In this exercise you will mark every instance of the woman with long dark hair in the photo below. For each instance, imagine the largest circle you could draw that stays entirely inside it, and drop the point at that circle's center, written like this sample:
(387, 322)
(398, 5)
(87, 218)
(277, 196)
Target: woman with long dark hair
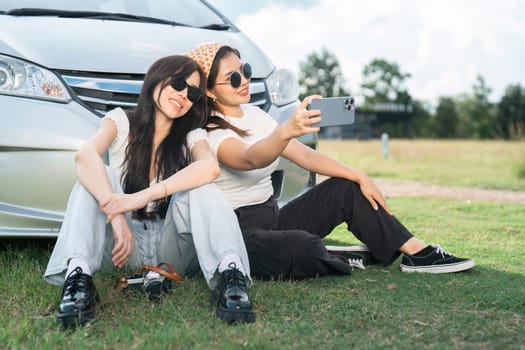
(154, 202)
(287, 241)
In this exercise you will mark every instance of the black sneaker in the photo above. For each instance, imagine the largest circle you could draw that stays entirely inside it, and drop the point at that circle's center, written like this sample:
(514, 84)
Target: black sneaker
(155, 284)
(437, 260)
(354, 253)
(79, 296)
(231, 297)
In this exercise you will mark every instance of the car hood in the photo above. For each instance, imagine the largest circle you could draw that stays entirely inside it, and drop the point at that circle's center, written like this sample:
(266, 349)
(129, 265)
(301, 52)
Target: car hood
(112, 46)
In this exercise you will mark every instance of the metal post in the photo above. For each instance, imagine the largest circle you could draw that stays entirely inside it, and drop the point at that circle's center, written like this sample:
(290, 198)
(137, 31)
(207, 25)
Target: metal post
(384, 140)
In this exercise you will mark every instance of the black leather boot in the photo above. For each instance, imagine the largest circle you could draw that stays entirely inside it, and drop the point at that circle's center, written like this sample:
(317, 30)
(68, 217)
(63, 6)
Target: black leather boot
(79, 296)
(231, 297)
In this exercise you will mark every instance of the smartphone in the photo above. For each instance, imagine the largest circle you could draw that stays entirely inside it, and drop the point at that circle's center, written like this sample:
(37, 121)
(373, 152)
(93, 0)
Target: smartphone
(334, 110)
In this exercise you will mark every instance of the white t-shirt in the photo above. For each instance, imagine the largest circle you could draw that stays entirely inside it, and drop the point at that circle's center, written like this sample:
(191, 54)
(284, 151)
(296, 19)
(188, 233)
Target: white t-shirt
(243, 187)
(117, 150)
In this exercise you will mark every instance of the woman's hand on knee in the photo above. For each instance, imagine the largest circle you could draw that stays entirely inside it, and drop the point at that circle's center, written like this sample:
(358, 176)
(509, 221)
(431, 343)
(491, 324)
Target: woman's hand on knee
(373, 194)
(124, 241)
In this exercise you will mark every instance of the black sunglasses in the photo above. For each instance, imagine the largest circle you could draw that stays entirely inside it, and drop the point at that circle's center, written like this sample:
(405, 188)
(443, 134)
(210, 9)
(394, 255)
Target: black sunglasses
(235, 77)
(180, 84)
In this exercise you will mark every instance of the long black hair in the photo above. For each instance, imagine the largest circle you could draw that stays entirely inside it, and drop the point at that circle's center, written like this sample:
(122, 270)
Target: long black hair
(215, 122)
(173, 153)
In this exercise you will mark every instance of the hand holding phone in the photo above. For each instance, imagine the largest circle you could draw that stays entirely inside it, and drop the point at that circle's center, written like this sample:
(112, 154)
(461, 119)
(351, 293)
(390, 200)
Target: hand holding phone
(334, 110)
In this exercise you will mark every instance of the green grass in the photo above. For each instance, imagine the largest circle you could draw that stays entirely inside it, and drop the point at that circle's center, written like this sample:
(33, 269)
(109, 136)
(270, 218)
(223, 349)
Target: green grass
(483, 164)
(379, 308)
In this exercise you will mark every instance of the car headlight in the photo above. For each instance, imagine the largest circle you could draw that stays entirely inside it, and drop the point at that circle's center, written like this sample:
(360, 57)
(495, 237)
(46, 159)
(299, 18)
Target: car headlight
(20, 78)
(283, 87)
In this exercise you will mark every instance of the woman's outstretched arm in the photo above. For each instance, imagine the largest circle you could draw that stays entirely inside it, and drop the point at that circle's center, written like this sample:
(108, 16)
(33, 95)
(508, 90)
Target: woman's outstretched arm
(237, 154)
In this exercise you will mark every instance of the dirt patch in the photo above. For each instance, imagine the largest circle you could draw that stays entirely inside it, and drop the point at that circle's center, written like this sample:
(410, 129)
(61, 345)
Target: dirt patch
(396, 188)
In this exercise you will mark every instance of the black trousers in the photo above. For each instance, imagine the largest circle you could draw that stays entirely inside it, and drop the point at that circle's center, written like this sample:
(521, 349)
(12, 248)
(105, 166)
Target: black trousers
(287, 242)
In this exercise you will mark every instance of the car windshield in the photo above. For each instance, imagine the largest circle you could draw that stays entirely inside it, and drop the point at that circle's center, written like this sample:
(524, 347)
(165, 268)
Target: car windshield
(180, 12)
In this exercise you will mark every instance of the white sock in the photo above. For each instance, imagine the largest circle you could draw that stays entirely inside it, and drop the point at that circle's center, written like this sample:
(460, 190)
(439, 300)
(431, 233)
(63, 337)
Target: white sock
(78, 262)
(229, 259)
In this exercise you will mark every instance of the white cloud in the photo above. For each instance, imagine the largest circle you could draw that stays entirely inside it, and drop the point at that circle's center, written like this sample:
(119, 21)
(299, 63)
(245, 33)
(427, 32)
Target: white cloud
(443, 44)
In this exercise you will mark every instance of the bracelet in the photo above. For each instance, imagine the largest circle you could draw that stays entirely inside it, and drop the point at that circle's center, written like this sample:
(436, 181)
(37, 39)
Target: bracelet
(165, 190)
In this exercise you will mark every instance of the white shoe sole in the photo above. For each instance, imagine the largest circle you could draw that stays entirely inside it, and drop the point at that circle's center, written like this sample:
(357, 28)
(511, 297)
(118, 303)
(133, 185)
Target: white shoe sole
(448, 268)
(348, 248)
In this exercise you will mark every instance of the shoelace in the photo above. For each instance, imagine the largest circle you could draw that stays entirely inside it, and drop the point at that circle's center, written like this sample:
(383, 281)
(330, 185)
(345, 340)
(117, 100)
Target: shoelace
(441, 250)
(76, 281)
(357, 263)
(235, 277)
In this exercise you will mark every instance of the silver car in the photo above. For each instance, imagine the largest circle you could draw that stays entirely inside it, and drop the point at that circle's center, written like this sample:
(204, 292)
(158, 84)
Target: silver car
(65, 63)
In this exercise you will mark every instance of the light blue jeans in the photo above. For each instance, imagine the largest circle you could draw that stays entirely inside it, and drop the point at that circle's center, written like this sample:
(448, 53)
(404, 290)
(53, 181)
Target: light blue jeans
(199, 229)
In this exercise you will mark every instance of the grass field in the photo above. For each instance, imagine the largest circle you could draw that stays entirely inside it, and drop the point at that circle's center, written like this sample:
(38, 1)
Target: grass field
(379, 308)
(482, 164)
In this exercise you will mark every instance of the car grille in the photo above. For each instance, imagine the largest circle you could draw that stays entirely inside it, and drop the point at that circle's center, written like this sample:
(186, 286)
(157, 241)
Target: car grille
(103, 92)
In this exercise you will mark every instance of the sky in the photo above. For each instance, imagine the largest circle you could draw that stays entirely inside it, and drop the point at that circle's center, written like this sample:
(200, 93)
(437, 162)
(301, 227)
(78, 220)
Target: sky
(443, 44)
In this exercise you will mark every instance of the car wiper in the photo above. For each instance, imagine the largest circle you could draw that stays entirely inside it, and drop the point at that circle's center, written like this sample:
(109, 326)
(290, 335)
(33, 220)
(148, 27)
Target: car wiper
(90, 14)
(216, 26)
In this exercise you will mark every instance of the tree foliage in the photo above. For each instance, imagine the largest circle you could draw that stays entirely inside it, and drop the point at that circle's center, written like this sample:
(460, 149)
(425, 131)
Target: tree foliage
(476, 115)
(321, 74)
(482, 112)
(511, 112)
(421, 119)
(446, 118)
(383, 82)
(469, 115)
(384, 91)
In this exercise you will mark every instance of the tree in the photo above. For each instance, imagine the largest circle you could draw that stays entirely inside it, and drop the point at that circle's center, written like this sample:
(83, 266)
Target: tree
(482, 110)
(511, 112)
(476, 114)
(384, 82)
(321, 74)
(446, 118)
(421, 119)
(383, 88)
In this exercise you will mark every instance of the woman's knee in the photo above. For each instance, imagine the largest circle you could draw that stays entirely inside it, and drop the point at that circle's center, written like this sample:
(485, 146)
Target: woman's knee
(209, 196)
(305, 245)
(339, 185)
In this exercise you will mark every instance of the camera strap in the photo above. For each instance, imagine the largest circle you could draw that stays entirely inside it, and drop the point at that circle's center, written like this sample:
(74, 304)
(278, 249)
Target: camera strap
(168, 271)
